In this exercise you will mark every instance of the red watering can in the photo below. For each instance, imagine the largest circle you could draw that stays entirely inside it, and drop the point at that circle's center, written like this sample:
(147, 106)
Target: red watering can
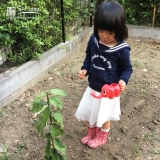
(108, 91)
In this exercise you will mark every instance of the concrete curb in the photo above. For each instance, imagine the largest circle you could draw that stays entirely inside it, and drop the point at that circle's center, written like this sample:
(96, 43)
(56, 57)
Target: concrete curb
(17, 81)
(151, 33)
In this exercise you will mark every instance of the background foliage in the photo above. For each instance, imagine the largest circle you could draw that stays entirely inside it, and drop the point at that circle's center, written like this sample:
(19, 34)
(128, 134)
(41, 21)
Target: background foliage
(29, 35)
(140, 12)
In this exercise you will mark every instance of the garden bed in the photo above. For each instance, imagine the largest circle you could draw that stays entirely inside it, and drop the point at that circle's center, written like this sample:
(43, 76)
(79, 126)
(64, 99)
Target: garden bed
(135, 137)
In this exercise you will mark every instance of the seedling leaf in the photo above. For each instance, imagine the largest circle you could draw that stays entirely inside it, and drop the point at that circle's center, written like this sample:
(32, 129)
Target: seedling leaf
(40, 126)
(37, 107)
(58, 92)
(56, 102)
(55, 154)
(55, 131)
(39, 97)
(59, 146)
(47, 149)
(58, 118)
(45, 114)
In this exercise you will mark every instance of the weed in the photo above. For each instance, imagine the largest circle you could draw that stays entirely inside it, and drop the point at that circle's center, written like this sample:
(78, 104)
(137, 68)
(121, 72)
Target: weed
(122, 133)
(144, 81)
(71, 68)
(22, 136)
(5, 153)
(151, 137)
(20, 146)
(137, 149)
(136, 64)
(145, 91)
(155, 151)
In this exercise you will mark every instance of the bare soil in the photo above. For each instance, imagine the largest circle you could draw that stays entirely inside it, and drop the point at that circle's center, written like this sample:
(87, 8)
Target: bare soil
(135, 137)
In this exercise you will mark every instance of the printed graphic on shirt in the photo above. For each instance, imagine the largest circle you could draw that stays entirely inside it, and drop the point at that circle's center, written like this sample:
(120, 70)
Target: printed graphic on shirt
(98, 67)
(103, 60)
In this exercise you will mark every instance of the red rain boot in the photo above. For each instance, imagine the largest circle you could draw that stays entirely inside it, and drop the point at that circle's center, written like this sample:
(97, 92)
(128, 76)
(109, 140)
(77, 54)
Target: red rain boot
(99, 140)
(91, 134)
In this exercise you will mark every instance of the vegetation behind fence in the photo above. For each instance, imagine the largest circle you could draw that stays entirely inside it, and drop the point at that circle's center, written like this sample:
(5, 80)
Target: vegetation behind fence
(142, 12)
(30, 27)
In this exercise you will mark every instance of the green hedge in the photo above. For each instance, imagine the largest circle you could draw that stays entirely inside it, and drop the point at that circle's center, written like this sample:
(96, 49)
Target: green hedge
(30, 34)
(140, 12)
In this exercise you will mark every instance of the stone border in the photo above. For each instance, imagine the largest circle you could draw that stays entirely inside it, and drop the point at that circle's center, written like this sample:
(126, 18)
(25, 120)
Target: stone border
(151, 33)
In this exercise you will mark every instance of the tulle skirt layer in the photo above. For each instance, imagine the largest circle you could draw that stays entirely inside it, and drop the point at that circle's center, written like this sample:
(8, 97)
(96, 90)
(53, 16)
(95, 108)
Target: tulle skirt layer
(98, 111)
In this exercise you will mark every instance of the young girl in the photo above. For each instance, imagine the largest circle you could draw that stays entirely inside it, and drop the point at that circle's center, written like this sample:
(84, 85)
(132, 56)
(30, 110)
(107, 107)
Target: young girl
(107, 61)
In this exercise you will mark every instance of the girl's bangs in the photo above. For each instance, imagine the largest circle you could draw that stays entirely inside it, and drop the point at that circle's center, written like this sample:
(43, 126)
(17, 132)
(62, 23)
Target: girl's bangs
(105, 26)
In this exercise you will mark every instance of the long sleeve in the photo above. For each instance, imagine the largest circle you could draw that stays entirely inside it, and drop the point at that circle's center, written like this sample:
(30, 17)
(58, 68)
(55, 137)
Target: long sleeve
(87, 60)
(125, 66)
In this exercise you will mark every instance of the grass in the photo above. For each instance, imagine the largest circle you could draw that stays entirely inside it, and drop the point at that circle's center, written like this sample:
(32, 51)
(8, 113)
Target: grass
(20, 146)
(136, 64)
(121, 133)
(153, 151)
(151, 137)
(145, 91)
(136, 149)
(5, 154)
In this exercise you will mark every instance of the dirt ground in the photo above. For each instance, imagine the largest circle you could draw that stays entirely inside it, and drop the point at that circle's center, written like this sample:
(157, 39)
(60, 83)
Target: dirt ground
(135, 137)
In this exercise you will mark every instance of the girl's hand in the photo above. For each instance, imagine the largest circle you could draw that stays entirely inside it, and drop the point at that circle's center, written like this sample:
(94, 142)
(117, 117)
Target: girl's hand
(82, 74)
(122, 85)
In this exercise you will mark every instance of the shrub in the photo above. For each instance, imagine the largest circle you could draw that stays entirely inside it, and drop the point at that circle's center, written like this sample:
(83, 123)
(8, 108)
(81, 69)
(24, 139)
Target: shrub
(30, 34)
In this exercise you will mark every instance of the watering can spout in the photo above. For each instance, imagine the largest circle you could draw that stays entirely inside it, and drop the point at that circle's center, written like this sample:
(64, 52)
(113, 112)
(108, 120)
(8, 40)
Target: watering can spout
(96, 96)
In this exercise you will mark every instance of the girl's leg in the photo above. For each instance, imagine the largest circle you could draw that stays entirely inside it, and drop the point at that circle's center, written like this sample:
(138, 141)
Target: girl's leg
(92, 130)
(101, 136)
(106, 126)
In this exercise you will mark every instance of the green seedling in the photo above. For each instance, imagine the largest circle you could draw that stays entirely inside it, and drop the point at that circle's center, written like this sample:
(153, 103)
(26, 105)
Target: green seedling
(136, 64)
(22, 136)
(20, 146)
(151, 137)
(5, 153)
(47, 106)
(136, 148)
(155, 151)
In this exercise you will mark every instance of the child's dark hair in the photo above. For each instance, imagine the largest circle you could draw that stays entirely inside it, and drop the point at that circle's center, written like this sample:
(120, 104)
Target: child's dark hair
(110, 16)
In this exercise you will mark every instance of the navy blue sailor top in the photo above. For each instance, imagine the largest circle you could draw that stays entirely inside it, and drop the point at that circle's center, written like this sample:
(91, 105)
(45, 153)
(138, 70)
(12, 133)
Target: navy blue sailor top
(106, 65)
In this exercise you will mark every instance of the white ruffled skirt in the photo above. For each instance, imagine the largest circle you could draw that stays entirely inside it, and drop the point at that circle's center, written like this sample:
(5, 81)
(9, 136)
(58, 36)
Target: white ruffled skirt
(98, 111)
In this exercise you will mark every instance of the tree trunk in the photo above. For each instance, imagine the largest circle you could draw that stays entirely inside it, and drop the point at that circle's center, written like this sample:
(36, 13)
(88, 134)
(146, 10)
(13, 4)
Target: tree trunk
(154, 13)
